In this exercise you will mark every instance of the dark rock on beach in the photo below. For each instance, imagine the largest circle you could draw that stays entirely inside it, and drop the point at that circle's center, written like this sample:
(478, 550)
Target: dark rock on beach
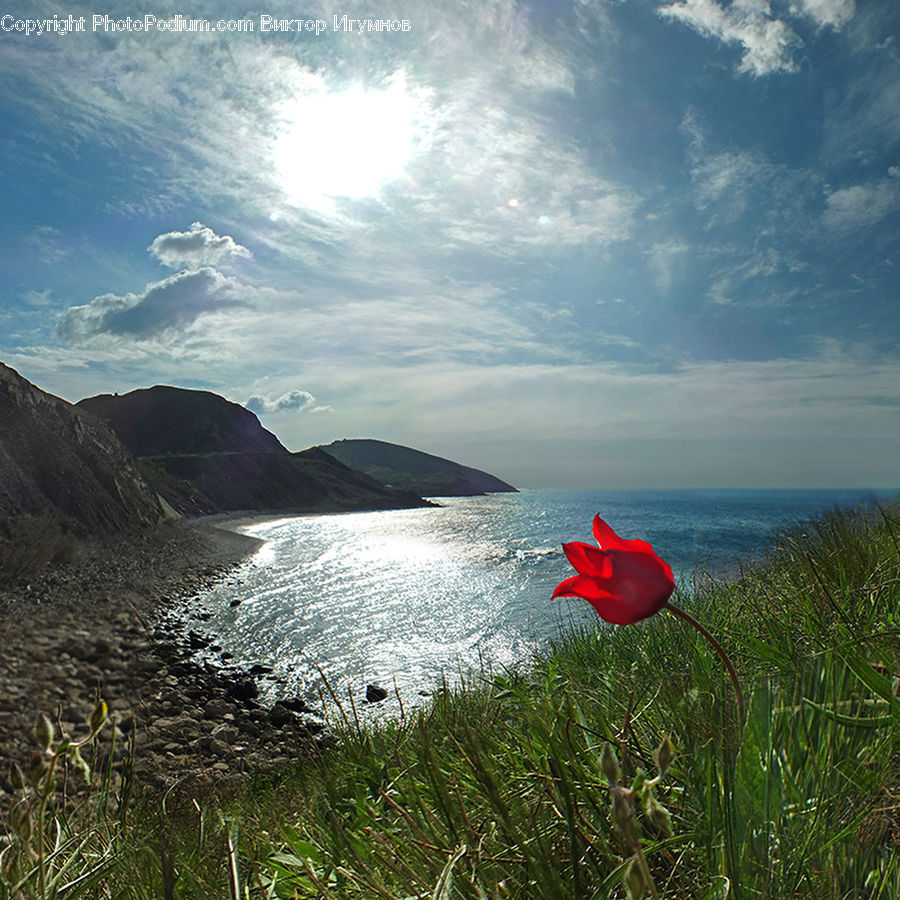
(375, 694)
(243, 689)
(294, 704)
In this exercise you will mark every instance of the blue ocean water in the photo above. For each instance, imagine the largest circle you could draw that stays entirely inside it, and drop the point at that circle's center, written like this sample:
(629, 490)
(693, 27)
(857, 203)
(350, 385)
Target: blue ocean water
(407, 598)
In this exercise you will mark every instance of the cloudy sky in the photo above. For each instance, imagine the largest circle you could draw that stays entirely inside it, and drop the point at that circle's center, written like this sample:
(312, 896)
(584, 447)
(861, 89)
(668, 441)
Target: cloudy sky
(572, 242)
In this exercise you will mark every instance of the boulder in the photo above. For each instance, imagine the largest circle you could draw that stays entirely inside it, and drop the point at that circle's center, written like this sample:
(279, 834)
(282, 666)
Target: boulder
(375, 694)
(245, 689)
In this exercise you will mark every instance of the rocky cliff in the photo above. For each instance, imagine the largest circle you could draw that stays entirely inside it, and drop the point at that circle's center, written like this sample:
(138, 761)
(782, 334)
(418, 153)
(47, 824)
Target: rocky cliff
(61, 466)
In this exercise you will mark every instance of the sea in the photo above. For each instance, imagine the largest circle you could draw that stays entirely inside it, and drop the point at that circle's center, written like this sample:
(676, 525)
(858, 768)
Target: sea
(414, 600)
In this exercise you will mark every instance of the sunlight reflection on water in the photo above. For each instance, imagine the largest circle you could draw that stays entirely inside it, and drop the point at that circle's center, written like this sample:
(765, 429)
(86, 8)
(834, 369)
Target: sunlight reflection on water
(394, 598)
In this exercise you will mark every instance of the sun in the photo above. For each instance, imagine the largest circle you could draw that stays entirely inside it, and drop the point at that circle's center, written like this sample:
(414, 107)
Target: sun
(348, 143)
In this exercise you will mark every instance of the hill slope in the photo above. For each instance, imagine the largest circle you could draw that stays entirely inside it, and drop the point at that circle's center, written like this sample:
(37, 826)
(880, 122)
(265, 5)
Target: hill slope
(413, 470)
(162, 420)
(64, 466)
(205, 454)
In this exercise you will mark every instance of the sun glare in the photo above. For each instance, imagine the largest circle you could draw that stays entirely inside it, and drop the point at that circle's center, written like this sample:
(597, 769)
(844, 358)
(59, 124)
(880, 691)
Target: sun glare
(346, 143)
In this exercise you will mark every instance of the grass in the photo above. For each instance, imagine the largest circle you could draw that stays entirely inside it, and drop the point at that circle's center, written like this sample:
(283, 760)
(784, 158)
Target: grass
(505, 788)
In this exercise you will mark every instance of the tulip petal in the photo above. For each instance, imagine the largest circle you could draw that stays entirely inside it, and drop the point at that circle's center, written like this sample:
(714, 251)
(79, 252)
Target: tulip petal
(588, 560)
(616, 612)
(609, 540)
(612, 608)
(583, 586)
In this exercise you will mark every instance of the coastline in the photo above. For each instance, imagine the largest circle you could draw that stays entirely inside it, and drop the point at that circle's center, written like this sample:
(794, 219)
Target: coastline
(117, 621)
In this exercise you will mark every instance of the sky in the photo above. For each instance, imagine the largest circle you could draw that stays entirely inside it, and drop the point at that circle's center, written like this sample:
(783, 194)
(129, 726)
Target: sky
(574, 243)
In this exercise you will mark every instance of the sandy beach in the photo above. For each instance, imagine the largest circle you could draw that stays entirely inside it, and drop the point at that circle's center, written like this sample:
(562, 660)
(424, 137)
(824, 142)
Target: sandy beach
(117, 622)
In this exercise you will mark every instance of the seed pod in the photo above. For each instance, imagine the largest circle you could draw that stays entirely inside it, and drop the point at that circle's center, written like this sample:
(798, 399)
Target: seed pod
(20, 820)
(610, 764)
(43, 731)
(622, 806)
(78, 760)
(664, 754)
(16, 776)
(657, 815)
(37, 768)
(634, 882)
(98, 716)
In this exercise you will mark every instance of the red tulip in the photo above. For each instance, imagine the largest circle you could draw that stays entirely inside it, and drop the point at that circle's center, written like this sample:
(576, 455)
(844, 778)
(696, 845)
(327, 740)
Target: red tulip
(625, 581)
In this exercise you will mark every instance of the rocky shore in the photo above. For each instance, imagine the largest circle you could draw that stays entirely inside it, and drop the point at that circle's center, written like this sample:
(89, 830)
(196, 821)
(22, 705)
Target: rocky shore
(117, 622)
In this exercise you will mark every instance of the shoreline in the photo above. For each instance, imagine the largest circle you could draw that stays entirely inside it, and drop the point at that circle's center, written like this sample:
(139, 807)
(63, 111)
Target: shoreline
(117, 621)
(227, 521)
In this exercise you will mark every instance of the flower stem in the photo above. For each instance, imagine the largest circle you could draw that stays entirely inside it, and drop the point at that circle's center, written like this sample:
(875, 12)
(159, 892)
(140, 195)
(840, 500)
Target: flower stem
(719, 649)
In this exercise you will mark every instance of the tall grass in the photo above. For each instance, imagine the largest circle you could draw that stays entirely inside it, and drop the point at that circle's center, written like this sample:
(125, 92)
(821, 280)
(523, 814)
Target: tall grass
(503, 787)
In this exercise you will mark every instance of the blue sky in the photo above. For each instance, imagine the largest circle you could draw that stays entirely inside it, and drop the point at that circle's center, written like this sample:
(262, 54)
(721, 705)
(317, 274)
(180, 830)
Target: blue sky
(633, 244)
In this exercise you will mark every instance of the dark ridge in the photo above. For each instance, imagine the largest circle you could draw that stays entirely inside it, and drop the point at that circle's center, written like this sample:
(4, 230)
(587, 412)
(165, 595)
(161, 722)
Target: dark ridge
(161, 420)
(412, 470)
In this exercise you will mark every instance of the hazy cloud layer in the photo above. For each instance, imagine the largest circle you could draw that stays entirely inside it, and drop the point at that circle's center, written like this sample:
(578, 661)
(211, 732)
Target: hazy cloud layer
(631, 426)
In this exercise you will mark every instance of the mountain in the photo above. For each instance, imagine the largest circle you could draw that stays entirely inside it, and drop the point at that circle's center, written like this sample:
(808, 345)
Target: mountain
(162, 420)
(64, 469)
(205, 454)
(412, 470)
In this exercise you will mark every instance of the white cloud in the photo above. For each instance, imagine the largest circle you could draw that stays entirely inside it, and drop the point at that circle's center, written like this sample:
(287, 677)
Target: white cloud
(667, 261)
(755, 275)
(835, 13)
(860, 205)
(50, 244)
(767, 41)
(861, 121)
(171, 304)
(291, 400)
(487, 155)
(724, 174)
(38, 298)
(724, 181)
(732, 185)
(196, 247)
